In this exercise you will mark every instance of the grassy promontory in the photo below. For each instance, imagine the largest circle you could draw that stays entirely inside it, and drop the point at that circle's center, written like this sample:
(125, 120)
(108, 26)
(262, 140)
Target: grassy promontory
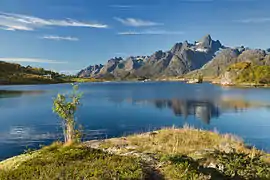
(165, 154)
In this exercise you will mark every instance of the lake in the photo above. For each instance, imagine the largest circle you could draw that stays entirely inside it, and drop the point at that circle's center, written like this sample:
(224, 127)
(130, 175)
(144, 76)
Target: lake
(116, 109)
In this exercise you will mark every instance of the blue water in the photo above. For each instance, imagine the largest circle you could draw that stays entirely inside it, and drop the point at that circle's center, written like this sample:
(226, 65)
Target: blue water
(116, 109)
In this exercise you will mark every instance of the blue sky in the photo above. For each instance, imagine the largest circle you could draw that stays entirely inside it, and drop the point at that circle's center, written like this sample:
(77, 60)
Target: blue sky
(68, 35)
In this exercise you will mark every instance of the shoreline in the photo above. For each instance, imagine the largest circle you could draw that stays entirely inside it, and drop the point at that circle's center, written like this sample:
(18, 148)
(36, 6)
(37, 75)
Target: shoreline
(161, 152)
(208, 80)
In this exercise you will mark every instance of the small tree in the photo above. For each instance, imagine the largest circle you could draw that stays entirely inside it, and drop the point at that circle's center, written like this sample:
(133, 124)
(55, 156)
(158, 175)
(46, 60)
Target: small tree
(65, 106)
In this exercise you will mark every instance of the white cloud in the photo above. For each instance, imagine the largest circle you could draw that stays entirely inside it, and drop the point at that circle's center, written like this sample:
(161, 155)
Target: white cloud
(137, 22)
(122, 6)
(151, 32)
(13, 22)
(60, 38)
(31, 60)
(254, 20)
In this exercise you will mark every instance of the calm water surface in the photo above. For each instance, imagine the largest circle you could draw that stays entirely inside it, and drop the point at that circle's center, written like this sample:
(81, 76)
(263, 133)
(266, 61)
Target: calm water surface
(116, 109)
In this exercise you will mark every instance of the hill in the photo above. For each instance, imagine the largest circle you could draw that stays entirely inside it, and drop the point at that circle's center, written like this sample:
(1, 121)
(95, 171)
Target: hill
(11, 73)
(237, 66)
(246, 73)
(219, 64)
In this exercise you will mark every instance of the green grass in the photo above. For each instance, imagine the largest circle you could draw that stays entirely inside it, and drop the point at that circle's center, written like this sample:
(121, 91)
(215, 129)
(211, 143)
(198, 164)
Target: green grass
(173, 154)
(75, 162)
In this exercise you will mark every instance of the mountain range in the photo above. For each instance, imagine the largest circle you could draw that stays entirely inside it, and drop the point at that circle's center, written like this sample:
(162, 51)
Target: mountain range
(206, 57)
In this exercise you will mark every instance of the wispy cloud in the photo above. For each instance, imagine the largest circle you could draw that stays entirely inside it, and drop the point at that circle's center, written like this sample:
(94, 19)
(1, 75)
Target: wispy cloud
(151, 32)
(254, 20)
(122, 6)
(13, 22)
(120, 53)
(31, 60)
(137, 22)
(60, 38)
(70, 72)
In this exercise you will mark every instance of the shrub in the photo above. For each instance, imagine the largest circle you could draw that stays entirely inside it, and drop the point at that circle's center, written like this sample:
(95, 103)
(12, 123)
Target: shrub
(65, 106)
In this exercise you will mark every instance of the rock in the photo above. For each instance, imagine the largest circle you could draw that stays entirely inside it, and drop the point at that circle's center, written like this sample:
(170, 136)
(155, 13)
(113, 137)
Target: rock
(226, 147)
(228, 78)
(219, 167)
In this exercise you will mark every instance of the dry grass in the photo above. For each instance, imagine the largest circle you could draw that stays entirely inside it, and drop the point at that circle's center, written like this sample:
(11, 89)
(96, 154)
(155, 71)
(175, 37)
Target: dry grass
(177, 141)
(190, 153)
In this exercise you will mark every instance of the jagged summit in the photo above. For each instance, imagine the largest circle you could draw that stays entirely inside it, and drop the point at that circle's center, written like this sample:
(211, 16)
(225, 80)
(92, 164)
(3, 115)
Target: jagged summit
(206, 38)
(208, 44)
(182, 58)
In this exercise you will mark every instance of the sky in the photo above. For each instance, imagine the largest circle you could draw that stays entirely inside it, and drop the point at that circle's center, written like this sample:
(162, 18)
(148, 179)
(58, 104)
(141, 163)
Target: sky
(68, 35)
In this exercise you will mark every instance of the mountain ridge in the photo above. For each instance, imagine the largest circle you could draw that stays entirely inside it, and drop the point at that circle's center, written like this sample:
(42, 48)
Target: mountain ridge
(206, 57)
(182, 58)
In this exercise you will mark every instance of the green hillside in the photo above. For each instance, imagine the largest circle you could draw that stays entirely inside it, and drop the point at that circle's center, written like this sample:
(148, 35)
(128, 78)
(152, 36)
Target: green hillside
(249, 73)
(11, 73)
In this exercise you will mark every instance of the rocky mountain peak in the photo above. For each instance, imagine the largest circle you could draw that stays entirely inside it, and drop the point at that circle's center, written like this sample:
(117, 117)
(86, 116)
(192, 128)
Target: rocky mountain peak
(115, 60)
(157, 55)
(208, 44)
(177, 47)
(206, 39)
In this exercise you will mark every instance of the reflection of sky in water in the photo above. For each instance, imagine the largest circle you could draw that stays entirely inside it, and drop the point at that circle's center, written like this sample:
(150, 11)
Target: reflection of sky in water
(115, 109)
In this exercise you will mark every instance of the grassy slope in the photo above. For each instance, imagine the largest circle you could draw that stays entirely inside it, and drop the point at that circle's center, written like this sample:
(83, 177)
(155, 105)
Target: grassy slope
(16, 74)
(165, 154)
(249, 73)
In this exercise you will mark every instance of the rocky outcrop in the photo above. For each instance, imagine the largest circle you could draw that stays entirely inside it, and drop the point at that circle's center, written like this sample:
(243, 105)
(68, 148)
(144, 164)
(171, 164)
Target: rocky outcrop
(255, 56)
(90, 71)
(228, 78)
(111, 65)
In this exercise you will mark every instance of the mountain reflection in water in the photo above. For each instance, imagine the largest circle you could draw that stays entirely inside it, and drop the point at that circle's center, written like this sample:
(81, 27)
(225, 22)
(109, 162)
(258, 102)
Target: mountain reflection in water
(205, 110)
